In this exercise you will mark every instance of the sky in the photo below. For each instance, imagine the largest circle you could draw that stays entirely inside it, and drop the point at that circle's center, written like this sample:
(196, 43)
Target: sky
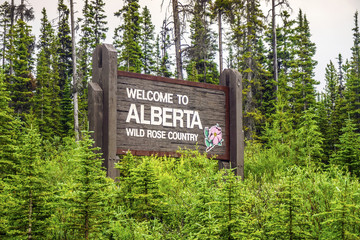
(331, 23)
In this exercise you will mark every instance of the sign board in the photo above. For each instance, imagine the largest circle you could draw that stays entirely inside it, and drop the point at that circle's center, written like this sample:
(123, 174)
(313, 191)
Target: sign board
(155, 115)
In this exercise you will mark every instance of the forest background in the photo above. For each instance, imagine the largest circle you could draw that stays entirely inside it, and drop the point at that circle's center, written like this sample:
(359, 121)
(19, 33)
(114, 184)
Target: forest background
(302, 147)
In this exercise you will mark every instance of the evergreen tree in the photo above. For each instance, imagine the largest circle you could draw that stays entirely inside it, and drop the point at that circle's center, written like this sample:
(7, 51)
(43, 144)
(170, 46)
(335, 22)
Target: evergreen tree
(127, 37)
(302, 73)
(93, 32)
(87, 202)
(146, 193)
(147, 42)
(65, 68)
(309, 140)
(285, 53)
(163, 45)
(329, 124)
(29, 194)
(201, 66)
(246, 31)
(352, 92)
(47, 95)
(5, 14)
(348, 152)
(21, 84)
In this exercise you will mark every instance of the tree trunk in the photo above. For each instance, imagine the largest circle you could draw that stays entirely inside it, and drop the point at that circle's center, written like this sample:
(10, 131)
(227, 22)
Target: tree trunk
(12, 19)
(274, 42)
(177, 39)
(30, 216)
(76, 112)
(220, 43)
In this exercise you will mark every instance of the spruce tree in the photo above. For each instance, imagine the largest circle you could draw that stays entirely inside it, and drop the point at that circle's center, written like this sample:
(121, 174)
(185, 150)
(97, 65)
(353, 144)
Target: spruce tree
(201, 66)
(302, 95)
(93, 32)
(29, 194)
(246, 30)
(163, 45)
(5, 14)
(47, 95)
(348, 152)
(309, 140)
(330, 100)
(352, 91)
(64, 50)
(21, 83)
(88, 199)
(147, 42)
(127, 37)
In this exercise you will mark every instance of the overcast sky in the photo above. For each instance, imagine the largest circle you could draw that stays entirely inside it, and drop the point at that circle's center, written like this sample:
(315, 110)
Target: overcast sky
(331, 23)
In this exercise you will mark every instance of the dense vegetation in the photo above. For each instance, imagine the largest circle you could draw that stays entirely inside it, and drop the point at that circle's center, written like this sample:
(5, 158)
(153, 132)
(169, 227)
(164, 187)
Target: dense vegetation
(302, 159)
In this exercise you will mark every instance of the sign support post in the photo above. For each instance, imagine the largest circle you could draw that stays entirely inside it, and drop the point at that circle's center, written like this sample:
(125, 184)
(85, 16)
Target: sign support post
(232, 79)
(102, 104)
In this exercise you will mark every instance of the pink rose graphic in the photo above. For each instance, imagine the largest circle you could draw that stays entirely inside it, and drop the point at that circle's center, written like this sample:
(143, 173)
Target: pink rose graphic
(213, 137)
(215, 134)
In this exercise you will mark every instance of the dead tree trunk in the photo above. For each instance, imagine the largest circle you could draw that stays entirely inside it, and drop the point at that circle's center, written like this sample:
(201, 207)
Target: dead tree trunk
(175, 6)
(76, 112)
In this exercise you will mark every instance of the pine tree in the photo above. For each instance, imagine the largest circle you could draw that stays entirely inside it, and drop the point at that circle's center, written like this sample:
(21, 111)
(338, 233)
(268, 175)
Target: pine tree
(127, 37)
(201, 65)
(147, 42)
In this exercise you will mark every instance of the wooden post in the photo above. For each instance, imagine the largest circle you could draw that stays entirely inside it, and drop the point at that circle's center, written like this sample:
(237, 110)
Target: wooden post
(102, 104)
(233, 80)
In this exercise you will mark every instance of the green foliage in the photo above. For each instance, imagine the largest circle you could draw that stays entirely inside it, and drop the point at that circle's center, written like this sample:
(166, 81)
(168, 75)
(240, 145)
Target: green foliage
(201, 65)
(88, 198)
(127, 37)
(147, 42)
(21, 82)
(47, 95)
(348, 152)
(64, 59)
(28, 192)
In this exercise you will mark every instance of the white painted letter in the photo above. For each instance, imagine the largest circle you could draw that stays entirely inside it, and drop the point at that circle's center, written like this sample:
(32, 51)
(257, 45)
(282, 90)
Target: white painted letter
(133, 114)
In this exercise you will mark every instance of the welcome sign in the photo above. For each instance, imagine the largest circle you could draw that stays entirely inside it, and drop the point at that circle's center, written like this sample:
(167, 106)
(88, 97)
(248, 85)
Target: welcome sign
(155, 115)
(160, 115)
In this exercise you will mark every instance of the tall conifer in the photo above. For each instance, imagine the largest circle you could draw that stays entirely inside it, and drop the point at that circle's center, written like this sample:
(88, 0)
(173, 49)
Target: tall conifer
(65, 68)
(201, 66)
(21, 84)
(147, 42)
(127, 38)
(47, 95)
(302, 73)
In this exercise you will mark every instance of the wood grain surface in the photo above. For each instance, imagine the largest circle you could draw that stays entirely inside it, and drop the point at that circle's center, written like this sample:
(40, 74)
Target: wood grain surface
(210, 101)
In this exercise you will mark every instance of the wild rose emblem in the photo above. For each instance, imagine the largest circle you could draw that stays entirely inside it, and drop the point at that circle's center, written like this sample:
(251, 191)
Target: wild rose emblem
(213, 137)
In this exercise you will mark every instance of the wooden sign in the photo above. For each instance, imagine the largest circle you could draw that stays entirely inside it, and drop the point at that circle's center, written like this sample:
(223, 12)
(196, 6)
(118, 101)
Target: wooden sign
(155, 115)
